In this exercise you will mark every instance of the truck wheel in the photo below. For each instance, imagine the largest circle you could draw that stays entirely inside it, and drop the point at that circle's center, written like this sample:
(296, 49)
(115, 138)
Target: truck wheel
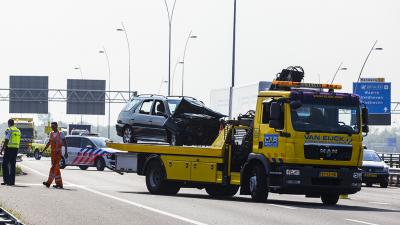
(222, 191)
(171, 188)
(37, 154)
(258, 184)
(384, 184)
(330, 199)
(368, 184)
(128, 135)
(62, 163)
(155, 178)
(83, 167)
(100, 164)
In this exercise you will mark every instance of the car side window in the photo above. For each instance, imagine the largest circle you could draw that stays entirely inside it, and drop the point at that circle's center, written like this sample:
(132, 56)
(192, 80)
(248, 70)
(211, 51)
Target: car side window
(131, 104)
(85, 142)
(145, 108)
(159, 108)
(73, 142)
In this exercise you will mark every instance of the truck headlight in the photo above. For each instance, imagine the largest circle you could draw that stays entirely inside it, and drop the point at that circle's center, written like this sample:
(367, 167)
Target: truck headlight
(292, 172)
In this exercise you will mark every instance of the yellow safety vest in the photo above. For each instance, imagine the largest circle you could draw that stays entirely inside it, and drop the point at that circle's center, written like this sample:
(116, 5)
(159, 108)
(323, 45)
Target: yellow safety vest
(15, 137)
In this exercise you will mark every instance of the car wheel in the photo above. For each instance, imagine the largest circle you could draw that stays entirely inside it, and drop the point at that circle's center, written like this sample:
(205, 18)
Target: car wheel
(100, 164)
(258, 184)
(62, 163)
(368, 184)
(330, 199)
(37, 154)
(222, 191)
(83, 167)
(174, 140)
(384, 184)
(128, 135)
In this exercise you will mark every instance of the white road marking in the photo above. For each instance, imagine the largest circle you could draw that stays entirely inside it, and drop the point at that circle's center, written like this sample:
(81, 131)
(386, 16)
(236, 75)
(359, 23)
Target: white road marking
(359, 221)
(380, 203)
(283, 206)
(124, 200)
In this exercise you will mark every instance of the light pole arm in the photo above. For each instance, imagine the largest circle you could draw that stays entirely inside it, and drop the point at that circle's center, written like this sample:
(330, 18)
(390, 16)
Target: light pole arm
(129, 59)
(334, 76)
(183, 59)
(366, 59)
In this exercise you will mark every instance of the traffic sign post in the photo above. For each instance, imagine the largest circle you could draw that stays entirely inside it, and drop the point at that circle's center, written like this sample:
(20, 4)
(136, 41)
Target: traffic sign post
(376, 96)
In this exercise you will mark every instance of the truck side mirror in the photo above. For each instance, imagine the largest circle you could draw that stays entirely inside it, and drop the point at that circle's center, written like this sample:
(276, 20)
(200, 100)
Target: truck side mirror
(276, 120)
(365, 129)
(364, 114)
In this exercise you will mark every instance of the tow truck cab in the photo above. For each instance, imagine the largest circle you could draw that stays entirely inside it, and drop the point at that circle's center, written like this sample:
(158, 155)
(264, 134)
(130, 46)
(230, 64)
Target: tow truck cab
(309, 141)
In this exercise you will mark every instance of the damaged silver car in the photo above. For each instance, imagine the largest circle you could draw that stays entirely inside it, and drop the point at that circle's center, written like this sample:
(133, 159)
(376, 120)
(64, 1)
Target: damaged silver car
(175, 120)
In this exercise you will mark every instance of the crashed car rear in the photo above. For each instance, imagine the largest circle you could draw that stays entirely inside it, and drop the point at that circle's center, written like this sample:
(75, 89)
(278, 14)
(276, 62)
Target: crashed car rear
(175, 120)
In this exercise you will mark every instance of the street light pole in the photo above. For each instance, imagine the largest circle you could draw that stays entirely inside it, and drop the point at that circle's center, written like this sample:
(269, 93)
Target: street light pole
(233, 59)
(366, 59)
(184, 54)
(129, 57)
(170, 17)
(109, 89)
(173, 75)
(339, 68)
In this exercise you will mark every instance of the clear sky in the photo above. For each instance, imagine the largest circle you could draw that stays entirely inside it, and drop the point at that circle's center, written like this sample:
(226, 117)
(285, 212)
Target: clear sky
(47, 37)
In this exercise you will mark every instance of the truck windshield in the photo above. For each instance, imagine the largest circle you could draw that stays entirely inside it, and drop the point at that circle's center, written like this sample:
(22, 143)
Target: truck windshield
(326, 118)
(26, 132)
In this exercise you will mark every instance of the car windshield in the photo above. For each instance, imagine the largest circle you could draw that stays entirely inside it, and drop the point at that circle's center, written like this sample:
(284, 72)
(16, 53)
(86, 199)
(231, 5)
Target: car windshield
(100, 142)
(371, 156)
(326, 118)
(172, 104)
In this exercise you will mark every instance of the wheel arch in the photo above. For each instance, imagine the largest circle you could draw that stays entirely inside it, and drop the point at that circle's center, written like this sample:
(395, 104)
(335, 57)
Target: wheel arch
(146, 162)
(252, 160)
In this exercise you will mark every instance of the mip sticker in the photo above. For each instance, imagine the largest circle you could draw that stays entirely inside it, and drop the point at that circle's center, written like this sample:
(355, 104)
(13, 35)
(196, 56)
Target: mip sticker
(271, 140)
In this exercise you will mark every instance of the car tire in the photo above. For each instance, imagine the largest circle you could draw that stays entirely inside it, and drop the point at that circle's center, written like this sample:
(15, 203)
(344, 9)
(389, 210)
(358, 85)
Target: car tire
(368, 184)
(222, 191)
(37, 154)
(330, 199)
(62, 163)
(174, 140)
(127, 136)
(83, 167)
(100, 164)
(384, 184)
(258, 183)
(155, 178)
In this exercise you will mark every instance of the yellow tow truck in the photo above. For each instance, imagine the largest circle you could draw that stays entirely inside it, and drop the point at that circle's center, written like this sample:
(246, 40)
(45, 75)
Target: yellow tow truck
(303, 138)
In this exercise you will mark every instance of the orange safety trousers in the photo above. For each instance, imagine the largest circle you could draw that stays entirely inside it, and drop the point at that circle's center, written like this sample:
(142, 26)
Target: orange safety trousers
(56, 155)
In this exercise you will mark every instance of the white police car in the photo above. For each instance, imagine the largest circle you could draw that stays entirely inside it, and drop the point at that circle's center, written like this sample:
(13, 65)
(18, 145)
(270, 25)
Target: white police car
(87, 151)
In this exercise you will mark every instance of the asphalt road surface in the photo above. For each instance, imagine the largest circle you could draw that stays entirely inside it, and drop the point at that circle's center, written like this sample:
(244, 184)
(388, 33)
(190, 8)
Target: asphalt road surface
(92, 197)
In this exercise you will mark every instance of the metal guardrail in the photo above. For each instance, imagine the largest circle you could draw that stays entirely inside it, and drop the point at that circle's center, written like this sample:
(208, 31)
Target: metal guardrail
(391, 159)
(394, 177)
(7, 218)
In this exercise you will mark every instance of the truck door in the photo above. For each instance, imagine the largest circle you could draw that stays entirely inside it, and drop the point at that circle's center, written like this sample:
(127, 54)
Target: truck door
(271, 142)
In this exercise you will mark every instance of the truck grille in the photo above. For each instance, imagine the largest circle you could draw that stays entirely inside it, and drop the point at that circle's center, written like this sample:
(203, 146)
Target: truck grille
(327, 152)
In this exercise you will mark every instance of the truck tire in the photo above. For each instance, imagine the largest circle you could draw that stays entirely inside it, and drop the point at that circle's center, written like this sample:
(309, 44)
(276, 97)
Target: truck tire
(62, 163)
(155, 179)
(222, 191)
(330, 199)
(100, 164)
(368, 184)
(37, 154)
(127, 136)
(384, 184)
(258, 183)
(172, 188)
(83, 167)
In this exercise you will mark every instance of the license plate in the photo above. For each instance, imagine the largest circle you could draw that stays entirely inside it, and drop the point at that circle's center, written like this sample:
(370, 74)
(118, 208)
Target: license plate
(328, 174)
(371, 175)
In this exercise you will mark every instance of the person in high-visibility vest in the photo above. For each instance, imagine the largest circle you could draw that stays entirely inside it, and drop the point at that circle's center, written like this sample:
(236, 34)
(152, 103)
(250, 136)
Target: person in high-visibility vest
(56, 141)
(10, 148)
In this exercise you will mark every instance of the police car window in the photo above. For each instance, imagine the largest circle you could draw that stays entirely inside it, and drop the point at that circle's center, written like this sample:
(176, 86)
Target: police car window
(73, 142)
(131, 104)
(146, 107)
(85, 142)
